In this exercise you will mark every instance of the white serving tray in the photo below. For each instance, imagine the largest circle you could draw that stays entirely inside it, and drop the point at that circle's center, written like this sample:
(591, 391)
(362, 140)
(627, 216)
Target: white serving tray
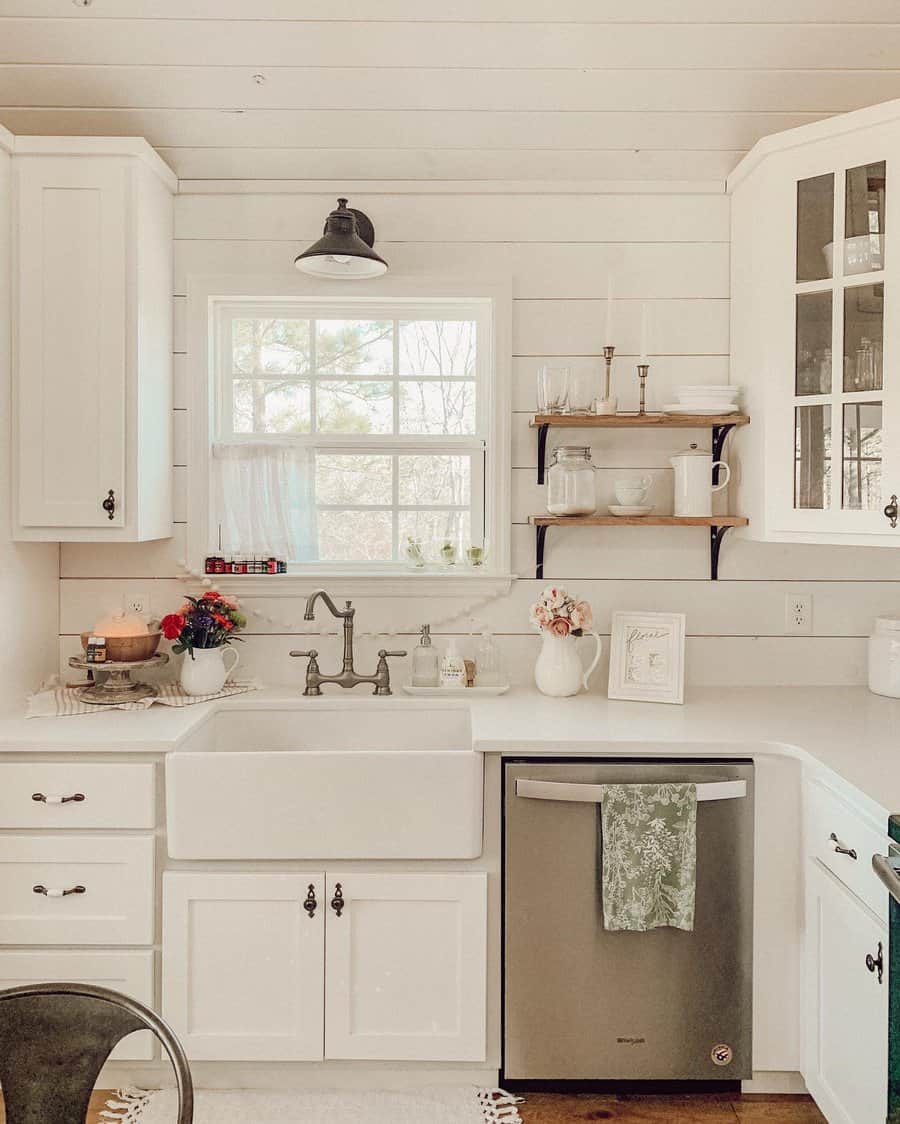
(454, 692)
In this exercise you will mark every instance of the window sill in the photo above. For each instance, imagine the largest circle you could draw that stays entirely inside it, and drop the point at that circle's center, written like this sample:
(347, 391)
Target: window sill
(396, 583)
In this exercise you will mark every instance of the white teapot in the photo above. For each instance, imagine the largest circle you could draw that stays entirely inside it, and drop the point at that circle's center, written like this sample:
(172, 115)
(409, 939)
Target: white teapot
(694, 481)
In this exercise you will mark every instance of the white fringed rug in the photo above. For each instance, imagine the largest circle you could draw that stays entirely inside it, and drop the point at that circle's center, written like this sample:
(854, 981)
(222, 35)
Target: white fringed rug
(466, 1104)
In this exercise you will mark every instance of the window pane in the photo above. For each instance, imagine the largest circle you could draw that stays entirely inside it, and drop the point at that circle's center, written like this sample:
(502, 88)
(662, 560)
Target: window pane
(355, 479)
(437, 407)
(438, 347)
(435, 480)
(863, 330)
(355, 347)
(355, 407)
(355, 536)
(270, 406)
(265, 345)
(813, 343)
(862, 455)
(812, 477)
(434, 528)
(864, 219)
(815, 228)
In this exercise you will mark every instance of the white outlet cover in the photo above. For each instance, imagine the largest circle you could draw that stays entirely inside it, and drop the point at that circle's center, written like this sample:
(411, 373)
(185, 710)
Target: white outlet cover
(798, 610)
(137, 601)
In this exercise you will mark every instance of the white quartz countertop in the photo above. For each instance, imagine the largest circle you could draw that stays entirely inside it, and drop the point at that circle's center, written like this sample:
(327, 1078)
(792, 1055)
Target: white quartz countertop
(848, 730)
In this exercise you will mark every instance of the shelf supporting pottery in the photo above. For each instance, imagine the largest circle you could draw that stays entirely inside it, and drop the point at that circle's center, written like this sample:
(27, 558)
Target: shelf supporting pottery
(720, 424)
(718, 526)
(719, 433)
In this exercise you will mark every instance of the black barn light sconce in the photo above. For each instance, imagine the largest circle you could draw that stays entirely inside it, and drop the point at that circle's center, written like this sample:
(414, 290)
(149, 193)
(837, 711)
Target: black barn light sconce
(345, 248)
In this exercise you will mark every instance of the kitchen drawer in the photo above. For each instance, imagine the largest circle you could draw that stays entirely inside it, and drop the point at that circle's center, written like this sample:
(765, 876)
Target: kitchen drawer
(115, 871)
(129, 972)
(77, 795)
(828, 815)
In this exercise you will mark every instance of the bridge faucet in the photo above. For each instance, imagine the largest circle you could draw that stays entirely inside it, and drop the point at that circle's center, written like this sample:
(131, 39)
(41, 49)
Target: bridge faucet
(347, 676)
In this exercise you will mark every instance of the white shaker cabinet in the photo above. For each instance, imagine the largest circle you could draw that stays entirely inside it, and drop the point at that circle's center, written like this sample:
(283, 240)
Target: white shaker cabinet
(92, 340)
(846, 1064)
(309, 965)
(244, 964)
(405, 967)
(816, 330)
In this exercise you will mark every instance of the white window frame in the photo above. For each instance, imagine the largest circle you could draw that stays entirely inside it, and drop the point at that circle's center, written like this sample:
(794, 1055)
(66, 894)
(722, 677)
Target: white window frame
(493, 299)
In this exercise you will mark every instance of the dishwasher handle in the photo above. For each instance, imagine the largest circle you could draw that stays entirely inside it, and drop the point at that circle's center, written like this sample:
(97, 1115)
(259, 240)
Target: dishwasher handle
(593, 793)
(887, 867)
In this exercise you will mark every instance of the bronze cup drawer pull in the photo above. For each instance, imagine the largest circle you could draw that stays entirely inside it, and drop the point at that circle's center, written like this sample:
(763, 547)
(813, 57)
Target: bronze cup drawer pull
(40, 798)
(58, 893)
(840, 849)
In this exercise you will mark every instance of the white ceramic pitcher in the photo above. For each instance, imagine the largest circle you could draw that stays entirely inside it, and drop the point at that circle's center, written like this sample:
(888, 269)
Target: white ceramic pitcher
(694, 480)
(205, 673)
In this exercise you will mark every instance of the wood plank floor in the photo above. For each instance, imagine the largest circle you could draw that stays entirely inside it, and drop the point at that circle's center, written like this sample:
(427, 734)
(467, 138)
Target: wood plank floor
(553, 1108)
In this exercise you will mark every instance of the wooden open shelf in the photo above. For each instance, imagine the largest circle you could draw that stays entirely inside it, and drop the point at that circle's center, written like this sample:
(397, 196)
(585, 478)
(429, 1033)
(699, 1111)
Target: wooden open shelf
(635, 421)
(718, 526)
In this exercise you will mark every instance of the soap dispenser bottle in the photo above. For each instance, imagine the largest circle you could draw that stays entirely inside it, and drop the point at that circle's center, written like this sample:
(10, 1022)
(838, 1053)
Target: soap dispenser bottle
(426, 664)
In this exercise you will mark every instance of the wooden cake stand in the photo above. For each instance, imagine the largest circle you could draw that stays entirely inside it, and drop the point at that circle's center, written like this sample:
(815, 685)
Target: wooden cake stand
(117, 687)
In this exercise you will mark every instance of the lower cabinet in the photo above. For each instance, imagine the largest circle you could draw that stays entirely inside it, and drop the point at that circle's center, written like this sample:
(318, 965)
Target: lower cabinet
(308, 965)
(846, 1016)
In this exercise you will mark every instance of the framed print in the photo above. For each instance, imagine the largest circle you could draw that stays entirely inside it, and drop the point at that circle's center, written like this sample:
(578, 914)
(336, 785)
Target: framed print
(646, 661)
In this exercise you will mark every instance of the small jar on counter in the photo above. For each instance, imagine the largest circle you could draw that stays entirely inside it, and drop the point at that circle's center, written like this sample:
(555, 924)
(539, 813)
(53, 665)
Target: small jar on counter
(884, 657)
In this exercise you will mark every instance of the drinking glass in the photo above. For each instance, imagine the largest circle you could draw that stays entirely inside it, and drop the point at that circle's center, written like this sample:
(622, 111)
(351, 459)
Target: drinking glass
(553, 389)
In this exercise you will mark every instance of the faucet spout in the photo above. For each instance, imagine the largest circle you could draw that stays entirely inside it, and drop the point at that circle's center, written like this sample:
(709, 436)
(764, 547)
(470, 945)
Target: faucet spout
(342, 614)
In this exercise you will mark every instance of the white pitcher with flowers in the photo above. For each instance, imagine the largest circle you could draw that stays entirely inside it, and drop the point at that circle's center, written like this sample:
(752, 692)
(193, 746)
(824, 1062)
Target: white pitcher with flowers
(561, 619)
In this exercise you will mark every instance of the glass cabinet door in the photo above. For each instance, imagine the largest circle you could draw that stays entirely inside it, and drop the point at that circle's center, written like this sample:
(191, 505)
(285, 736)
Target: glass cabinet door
(839, 393)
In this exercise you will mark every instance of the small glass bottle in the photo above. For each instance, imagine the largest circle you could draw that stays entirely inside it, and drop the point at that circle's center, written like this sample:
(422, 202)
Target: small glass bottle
(488, 663)
(426, 663)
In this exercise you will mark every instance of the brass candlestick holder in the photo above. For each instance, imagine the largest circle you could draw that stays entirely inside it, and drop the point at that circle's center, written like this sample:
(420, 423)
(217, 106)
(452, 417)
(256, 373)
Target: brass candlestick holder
(607, 404)
(643, 370)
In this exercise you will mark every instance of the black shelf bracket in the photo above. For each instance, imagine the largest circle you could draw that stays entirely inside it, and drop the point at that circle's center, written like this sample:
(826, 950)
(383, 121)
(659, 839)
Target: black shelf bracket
(542, 451)
(719, 433)
(540, 539)
(716, 534)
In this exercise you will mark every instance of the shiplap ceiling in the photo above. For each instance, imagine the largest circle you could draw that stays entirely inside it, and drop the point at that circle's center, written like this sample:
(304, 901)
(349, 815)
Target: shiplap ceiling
(453, 90)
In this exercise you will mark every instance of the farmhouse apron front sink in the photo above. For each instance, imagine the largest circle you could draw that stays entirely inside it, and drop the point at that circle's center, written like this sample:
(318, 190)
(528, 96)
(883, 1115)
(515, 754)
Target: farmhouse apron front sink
(349, 779)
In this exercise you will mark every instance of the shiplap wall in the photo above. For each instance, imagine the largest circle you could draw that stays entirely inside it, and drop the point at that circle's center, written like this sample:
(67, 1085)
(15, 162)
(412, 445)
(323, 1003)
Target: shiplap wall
(29, 606)
(670, 248)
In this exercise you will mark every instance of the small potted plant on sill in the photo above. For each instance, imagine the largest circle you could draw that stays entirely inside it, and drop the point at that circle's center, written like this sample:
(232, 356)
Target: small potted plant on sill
(204, 627)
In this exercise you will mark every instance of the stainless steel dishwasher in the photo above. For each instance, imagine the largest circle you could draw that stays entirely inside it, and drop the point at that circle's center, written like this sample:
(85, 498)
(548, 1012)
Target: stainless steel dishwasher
(581, 1003)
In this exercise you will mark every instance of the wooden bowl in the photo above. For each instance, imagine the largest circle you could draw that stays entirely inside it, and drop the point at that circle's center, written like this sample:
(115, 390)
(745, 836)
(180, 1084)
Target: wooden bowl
(127, 649)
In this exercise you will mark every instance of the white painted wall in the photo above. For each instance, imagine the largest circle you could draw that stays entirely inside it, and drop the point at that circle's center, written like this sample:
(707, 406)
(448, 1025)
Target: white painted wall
(29, 605)
(665, 244)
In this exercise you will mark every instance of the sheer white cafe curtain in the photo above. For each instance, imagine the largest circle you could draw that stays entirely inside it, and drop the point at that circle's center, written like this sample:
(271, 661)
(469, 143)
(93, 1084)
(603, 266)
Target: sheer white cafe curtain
(265, 499)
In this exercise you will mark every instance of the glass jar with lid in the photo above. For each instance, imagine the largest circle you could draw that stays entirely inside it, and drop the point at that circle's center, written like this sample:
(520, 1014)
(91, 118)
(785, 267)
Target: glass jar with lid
(571, 483)
(884, 657)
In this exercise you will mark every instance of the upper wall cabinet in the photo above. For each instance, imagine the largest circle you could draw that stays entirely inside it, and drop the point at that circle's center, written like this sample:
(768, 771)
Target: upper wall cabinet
(816, 330)
(92, 340)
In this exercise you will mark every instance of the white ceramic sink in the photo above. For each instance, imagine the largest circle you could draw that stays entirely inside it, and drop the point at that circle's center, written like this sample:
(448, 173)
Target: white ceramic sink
(316, 779)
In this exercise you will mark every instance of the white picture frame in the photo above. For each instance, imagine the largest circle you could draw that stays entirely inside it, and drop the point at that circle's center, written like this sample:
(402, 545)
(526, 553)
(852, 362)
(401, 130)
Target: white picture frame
(646, 659)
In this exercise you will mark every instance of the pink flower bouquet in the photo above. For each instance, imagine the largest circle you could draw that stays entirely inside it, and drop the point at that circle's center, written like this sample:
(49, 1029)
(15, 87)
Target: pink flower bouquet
(558, 613)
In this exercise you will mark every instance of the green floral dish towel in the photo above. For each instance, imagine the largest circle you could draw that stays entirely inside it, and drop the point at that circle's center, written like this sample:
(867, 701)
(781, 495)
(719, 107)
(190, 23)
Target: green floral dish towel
(649, 849)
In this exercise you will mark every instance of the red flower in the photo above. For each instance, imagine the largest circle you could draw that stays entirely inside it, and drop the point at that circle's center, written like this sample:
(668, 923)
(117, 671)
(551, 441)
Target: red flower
(172, 625)
(211, 596)
(223, 621)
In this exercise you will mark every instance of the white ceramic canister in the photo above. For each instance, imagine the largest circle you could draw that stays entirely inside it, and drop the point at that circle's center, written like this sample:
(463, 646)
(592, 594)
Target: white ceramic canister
(694, 481)
(884, 657)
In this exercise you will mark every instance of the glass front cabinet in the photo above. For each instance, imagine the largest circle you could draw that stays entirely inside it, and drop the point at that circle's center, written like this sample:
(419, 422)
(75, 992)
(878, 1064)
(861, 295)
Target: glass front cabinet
(816, 330)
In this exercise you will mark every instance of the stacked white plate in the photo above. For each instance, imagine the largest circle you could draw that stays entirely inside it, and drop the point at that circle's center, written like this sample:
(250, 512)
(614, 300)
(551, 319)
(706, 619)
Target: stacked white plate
(704, 400)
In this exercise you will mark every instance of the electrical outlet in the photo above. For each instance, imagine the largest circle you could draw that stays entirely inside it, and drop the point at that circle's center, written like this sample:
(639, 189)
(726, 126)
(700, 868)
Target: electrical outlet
(798, 614)
(137, 601)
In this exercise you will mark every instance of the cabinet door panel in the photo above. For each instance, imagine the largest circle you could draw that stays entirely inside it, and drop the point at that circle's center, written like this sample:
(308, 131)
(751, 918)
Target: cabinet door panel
(405, 967)
(847, 1010)
(71, 344)
(243, 965)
